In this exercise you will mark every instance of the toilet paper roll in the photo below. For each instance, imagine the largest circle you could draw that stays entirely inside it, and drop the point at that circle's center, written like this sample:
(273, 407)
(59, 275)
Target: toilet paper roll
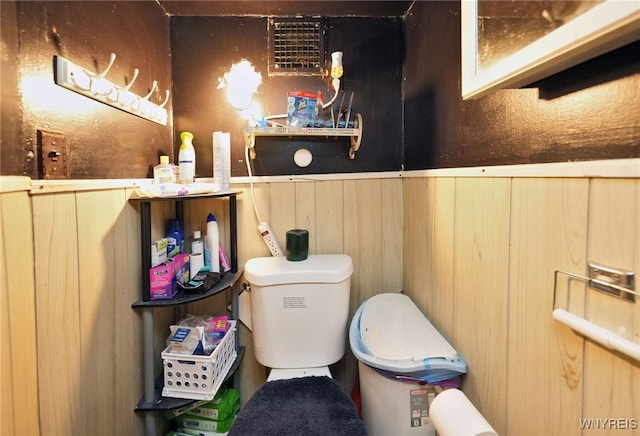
(297, 244)
(196, 261)
(452, 413)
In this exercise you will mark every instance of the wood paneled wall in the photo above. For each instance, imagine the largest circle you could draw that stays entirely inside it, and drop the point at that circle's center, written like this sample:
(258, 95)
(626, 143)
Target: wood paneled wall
(86, 257)
(18, 364)
(480, 256)
(477, 255)
(361, 218)
(89, 346)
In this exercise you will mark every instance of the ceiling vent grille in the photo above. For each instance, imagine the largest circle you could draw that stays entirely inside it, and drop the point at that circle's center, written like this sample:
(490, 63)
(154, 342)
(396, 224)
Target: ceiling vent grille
(296, 47)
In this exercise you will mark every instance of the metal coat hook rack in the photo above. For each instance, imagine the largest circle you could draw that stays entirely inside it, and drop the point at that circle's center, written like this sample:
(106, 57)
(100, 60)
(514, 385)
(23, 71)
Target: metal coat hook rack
(96, 86)
(613, 282)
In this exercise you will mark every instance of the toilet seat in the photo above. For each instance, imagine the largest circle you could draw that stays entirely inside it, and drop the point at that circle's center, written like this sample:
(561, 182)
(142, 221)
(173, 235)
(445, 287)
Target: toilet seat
(299, 406)
(289, 373)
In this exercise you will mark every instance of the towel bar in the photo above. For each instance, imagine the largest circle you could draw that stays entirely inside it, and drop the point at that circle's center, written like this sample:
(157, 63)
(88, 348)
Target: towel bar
(597, 333)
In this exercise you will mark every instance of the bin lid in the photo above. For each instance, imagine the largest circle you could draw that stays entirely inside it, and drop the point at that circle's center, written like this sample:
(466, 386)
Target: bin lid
(392, 327)
(389, 332)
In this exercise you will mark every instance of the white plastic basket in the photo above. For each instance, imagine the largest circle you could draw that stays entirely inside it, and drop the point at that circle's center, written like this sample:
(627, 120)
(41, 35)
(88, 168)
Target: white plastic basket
(199, 377)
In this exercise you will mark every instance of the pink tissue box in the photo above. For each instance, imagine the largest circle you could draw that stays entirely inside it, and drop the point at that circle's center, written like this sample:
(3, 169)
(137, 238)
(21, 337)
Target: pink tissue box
(164, 278)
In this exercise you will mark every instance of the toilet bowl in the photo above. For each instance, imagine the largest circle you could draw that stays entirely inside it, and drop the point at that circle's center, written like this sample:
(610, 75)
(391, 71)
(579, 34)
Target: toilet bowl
(299, 316)
(283, 374)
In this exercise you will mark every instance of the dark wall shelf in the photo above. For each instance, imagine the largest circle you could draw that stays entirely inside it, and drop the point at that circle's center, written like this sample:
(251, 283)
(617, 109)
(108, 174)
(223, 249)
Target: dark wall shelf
(162, 404)
(145, 232)
(152, 400)
(182, 297)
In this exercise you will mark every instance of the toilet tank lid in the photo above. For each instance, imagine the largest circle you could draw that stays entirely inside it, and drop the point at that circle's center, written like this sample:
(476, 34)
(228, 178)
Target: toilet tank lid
(317, 268)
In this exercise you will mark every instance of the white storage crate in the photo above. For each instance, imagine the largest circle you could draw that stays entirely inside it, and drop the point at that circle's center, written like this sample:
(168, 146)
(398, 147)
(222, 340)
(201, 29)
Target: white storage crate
(199, 377)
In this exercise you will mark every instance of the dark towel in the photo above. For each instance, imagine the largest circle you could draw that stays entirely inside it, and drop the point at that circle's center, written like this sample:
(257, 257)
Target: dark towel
(299, 407)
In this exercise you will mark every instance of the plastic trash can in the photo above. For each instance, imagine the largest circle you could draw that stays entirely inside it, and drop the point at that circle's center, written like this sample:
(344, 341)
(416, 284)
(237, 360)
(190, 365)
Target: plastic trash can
(401, 358)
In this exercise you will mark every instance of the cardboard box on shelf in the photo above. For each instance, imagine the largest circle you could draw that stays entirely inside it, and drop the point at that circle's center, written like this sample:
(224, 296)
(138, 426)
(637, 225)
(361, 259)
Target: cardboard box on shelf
(164, 278)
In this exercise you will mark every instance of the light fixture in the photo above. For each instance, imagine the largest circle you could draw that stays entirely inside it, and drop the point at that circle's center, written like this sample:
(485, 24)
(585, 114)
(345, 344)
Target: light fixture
(336, 73)
(336, 65)
(240, 83)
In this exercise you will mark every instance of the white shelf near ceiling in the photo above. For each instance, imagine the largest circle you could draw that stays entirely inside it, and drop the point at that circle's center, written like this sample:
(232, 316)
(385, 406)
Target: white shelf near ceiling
(355, 133)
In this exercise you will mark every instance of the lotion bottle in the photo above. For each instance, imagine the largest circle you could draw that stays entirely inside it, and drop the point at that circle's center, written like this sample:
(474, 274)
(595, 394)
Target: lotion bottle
(186, 159)
(211, 244)
(164, 172)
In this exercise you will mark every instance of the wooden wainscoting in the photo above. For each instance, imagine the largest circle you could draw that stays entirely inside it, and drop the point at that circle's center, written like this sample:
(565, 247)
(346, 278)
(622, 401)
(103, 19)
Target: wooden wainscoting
(611, 382)
(89, 338)
(476, 254)
(361, 218)
(480, 256)
(86, 257)
(19, 382)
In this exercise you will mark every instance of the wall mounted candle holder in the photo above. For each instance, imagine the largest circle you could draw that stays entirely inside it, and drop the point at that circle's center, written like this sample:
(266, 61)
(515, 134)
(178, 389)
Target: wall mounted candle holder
(97, 87)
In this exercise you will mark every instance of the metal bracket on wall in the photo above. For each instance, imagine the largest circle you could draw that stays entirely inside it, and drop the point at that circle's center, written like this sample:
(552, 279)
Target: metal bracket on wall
(612, 281)
(96, 87)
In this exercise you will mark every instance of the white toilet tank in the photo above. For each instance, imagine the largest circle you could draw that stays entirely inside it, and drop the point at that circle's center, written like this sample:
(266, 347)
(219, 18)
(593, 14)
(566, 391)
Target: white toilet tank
(299, 310)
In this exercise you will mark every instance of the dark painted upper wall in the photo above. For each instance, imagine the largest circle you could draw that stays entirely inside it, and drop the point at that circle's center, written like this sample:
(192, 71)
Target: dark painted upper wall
(205, 47)
(12, 153)
(586, 113)
(102, 142)
(589, 112)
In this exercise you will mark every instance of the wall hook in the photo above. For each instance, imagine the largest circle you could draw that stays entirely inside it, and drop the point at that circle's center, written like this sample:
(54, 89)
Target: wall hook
(103, 87)
(135, 76)
(153, 88)
(166, 100)
(112, 59)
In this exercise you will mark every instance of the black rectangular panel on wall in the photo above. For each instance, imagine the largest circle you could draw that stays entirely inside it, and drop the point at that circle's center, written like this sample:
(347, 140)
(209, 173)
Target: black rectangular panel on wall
(204, 48)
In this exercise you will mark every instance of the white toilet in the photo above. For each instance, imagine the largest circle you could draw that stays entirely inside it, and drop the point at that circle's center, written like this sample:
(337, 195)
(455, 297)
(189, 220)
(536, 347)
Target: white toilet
(299, 313)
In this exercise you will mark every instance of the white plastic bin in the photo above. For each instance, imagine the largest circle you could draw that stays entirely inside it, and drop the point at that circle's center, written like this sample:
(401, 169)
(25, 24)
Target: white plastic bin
(199, 377)
(401, 357)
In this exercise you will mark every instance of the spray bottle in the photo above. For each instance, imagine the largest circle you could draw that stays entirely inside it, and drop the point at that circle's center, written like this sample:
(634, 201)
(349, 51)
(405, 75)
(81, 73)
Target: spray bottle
(187, 159)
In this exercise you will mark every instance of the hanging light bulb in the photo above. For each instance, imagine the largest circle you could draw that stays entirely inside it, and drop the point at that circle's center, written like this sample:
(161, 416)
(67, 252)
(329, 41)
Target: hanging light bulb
(241, 82)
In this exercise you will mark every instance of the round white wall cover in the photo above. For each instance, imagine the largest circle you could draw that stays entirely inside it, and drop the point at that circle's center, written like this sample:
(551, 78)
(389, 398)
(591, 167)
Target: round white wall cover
(302, 157)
